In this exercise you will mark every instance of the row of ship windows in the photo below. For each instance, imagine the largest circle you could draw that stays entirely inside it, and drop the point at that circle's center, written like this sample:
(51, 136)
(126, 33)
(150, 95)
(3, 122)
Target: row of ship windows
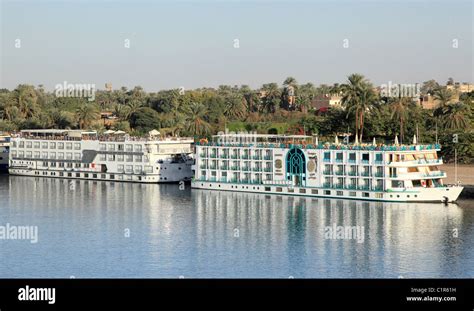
(147, 168)
(89, 175)
(122, 158)
(338, 156)
(224, 174)
(330, 169)
(205, 152)
(46, 145)
(77, 156)
(352, 156)
(46, 155)
(237, 167)
(302, 191)
(316, 191)
(137, 169)
(120, 147)
(77, 146)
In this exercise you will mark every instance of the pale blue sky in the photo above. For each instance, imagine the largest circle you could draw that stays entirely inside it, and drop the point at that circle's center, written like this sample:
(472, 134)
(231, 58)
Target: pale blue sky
(191, 43)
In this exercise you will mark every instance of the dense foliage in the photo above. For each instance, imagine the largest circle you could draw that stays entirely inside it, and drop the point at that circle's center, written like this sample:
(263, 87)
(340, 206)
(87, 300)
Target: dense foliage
(270, 109)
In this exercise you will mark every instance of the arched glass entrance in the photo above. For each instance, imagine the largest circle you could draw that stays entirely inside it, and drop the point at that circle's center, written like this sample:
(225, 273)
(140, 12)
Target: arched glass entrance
(296, 167)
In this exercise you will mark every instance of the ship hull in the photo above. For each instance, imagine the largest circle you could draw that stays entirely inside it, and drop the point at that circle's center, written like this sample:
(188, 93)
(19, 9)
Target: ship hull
(3, 168)
(173, 174)
(441, 194)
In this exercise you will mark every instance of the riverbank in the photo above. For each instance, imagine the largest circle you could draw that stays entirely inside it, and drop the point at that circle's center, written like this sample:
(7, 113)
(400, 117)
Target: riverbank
(465, 175)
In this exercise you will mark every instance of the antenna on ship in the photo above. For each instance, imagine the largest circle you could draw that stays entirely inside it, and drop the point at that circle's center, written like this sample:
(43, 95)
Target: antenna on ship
(417, 134)
(455, 141)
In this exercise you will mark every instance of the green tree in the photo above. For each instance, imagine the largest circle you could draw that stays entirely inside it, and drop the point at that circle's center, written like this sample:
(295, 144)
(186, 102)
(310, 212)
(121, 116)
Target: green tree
(235, 107)
(429, 87)
(25, 97)
(400, 108)
(144, 120)
(457, 116)
(271, 97)
(86, 114)
(443, 96)
(358, 97)
(196, 123)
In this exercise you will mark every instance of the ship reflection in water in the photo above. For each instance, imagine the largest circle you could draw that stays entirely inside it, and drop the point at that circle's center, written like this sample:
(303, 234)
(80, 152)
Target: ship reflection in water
(102, 229)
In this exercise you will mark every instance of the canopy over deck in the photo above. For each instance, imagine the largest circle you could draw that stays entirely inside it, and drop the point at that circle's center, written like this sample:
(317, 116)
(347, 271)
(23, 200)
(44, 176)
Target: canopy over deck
(41, 133)
(239, 137)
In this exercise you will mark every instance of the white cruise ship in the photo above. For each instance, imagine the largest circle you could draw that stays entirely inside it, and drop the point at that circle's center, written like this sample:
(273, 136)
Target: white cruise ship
(4, 152)
(299, 165)
(87, 155)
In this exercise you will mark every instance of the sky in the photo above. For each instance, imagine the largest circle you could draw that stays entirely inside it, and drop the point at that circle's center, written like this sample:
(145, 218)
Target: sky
(203, 43)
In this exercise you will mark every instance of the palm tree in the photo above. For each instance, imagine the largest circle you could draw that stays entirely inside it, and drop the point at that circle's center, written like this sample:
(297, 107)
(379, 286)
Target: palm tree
(26, 100)
(358, 97)
(235, 107)
(195, 119)
(336, 88)
(290, 81)
(137, 93)
(443, 96)
(457, 116)
(399, 109)
(306, 93)
(133, 106)
(369, 101)
(429, 87)
(224, 90)
(86, 114)
(272, 95)
(120, 111)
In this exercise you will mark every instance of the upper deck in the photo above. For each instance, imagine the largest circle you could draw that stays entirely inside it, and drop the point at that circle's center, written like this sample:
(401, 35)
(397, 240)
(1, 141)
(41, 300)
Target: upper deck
(304, 142)
(80, 135)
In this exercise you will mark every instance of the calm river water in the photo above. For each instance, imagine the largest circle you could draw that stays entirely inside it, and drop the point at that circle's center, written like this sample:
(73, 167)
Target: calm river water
(106, 230)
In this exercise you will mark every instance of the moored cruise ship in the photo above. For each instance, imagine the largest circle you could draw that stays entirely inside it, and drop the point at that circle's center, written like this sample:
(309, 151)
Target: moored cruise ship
(299, 165)
(87, 155)
(4, 152)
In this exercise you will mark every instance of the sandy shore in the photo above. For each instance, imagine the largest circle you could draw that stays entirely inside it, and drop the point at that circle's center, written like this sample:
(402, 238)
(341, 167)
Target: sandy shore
(465, 174)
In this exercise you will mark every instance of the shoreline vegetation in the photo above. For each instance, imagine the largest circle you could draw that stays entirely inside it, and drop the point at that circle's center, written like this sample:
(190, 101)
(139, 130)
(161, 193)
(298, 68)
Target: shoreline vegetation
(363, 112)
